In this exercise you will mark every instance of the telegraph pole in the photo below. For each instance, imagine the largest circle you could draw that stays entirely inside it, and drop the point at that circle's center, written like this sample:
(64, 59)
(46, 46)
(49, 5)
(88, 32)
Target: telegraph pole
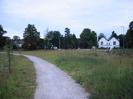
(44, 37)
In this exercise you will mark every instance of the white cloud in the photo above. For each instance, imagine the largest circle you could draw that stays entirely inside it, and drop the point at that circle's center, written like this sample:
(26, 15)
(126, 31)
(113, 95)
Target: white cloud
(97, 15)
(13, 33)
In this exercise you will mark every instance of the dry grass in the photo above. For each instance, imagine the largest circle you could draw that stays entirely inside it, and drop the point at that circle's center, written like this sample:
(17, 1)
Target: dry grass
(105, 76)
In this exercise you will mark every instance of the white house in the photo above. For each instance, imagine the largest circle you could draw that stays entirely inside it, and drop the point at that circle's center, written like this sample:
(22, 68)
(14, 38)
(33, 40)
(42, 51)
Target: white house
(111, 43)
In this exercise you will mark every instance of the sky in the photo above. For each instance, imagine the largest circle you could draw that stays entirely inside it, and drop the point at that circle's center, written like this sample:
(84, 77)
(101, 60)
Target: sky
(102, 16)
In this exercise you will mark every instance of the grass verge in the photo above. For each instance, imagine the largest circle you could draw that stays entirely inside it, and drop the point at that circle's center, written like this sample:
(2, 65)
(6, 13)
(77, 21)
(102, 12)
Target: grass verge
(20, 83)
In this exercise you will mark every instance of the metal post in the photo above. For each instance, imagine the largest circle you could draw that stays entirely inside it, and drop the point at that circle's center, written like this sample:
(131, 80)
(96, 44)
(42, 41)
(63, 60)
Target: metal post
(123, 30)
(59, 42)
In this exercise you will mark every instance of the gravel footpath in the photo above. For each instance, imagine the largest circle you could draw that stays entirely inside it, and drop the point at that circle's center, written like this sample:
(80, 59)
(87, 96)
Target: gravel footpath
(53, 83)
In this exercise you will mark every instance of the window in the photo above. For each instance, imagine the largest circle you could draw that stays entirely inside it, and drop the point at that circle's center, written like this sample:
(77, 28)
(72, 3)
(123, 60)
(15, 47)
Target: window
(114, 43)
(101, 43)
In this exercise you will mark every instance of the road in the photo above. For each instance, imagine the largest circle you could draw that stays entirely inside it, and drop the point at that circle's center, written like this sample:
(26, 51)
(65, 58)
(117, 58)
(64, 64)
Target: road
(53, 83)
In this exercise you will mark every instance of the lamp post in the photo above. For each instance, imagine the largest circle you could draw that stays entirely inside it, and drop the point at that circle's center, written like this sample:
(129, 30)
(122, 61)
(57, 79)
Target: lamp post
(123, 30)
(59, 42)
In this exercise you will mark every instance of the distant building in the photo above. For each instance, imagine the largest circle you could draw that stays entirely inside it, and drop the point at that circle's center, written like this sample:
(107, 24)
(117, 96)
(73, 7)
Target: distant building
(18, 43)
(108, 43)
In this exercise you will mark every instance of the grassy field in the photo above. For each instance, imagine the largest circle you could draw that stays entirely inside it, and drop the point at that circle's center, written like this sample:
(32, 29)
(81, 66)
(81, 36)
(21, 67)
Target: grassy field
(20, 83)
(104, 75)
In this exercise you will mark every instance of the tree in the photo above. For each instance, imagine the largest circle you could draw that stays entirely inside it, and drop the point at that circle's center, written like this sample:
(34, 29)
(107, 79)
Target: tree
(101, 35)
(74, 42)
(41, 44)
(113, 35)
(67, 31)
(131, 25)
(2, 31)
(121, 38)
(16, 42)
(70, 40)
(3, 40)
(67, 39)
(88, 38)
(94, 38)
(62, 42)
(53, 38)
(56, 39)
(129, 36)
(31, 37)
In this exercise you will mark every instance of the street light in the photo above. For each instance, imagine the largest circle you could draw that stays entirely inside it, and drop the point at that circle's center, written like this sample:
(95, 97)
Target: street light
(123, 30)
(59, 42)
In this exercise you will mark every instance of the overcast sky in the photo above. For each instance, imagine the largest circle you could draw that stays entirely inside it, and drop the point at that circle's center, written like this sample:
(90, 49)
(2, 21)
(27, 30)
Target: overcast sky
(102, 16)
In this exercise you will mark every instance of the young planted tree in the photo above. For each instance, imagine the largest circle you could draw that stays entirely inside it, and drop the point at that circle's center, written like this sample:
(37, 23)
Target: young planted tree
(8, 51)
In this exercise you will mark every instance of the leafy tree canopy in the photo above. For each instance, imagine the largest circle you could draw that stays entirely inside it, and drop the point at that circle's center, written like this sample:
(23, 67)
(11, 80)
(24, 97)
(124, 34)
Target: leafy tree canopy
(70, 40)
(88, 38)
(129, 36)
(3, 40)
(131, 25)
(113, 35)
(2, 31)
(121, 38)
(101, 35)
(16, 38)
(16, 42)
(53, 38)
(31, 37)
(67, 31)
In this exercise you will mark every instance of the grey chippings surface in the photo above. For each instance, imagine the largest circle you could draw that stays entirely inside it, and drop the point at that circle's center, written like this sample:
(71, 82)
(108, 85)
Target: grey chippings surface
(53, 83)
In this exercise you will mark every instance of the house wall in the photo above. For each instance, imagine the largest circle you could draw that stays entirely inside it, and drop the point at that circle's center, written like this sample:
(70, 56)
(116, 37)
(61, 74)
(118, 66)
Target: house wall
(104, 45)
(108, 44)
(117, 45)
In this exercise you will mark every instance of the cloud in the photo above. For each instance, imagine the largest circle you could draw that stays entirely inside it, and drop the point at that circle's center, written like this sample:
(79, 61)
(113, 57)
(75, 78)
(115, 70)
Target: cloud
(13, 33)
(100, 15)
(51, 9)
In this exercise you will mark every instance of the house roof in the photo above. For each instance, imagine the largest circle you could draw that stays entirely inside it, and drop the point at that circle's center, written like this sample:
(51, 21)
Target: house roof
(108, 38)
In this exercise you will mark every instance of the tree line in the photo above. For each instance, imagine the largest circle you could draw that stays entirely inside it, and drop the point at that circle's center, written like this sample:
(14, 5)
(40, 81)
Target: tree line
(55, 40)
